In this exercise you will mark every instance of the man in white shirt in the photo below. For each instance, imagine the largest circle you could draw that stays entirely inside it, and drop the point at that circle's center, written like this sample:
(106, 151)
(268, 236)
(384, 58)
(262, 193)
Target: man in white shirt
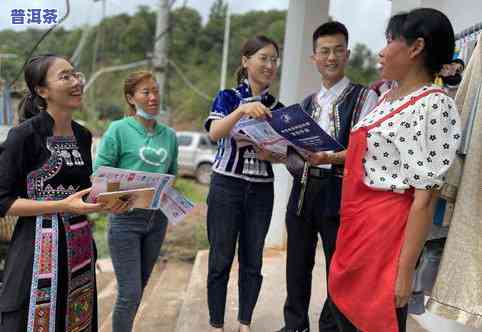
(314, 202)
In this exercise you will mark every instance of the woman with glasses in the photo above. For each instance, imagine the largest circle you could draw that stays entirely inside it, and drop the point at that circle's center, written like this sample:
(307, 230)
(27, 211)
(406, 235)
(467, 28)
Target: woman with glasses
(396, 162)
(45, 165)
(240, 199)
(137, 142)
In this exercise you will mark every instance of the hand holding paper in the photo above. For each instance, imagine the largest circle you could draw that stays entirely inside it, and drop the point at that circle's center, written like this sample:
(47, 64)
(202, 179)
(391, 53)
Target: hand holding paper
(289, 126)
(256, 110)
(140, 190)
(135, 198)
(318, 158)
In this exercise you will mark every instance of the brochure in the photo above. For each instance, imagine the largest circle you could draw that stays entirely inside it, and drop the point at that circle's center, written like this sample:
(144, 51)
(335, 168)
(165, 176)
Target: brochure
(137, 198)
(150, 190)
(289, 126)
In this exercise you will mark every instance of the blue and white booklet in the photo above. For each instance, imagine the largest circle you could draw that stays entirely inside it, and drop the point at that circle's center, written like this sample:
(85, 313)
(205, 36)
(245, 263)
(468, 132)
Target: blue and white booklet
(289, 126)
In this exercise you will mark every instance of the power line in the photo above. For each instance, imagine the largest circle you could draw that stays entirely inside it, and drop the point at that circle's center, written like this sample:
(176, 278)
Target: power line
(187, 81)
(99, 38)
(112, 69)
(140, 63)
(75, 59)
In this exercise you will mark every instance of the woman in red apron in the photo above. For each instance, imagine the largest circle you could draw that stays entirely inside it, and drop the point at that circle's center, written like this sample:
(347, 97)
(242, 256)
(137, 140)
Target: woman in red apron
(396, 159)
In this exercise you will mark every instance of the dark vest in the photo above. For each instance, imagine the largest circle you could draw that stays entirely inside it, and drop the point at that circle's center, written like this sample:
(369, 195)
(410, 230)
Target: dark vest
(348, 108)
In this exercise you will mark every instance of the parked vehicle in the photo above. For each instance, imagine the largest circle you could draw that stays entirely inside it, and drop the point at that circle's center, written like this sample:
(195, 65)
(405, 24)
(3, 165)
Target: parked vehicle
(196, 155)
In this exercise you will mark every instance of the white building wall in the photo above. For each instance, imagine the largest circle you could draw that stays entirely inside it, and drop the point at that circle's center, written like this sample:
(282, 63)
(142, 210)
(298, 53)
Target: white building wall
(298, 79)
(404, 5)
(462, 13)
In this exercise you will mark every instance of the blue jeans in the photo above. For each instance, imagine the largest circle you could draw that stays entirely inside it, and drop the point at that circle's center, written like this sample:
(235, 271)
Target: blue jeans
(237, 209)
(135, 240)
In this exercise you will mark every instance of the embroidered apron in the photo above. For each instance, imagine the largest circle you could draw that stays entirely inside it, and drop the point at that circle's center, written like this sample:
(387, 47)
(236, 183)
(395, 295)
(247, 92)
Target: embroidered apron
(46, 184)
(364, 267)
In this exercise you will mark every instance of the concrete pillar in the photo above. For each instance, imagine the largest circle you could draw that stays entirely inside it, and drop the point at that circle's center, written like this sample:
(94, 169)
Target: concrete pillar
(298, 79)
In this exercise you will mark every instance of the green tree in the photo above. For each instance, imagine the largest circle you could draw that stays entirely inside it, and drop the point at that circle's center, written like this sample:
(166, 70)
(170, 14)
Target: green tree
(362, 65)
(196, 49)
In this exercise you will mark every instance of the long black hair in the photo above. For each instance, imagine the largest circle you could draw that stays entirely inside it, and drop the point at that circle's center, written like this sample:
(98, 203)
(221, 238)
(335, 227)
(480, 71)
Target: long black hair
(35, 75)
(252, 46)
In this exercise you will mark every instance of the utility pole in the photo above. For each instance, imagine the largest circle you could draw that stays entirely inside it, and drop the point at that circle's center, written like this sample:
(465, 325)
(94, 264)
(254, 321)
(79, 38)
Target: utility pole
(159, 59)
(4, 89)
(224, 66)
(98, 41)
(98, 37)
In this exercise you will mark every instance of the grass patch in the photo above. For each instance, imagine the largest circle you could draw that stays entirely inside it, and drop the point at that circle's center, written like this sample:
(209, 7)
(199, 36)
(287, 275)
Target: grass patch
(100, 234)
(196, 192)
(185, 239)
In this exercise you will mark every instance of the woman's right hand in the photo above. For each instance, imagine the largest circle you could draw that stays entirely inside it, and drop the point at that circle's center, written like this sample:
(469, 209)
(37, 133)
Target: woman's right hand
(403, 286)
(75, 204)
(255, 110)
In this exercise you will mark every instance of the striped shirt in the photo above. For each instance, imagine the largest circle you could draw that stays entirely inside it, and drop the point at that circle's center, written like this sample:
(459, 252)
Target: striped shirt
(232, 160)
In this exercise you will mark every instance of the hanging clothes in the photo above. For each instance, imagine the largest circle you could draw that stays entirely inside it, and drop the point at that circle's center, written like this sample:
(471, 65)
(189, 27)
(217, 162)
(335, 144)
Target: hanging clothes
(457, 293)
(465, 45)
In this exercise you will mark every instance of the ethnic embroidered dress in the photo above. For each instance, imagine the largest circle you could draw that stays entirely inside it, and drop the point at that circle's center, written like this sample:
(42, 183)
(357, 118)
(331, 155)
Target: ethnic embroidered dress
(49, 282)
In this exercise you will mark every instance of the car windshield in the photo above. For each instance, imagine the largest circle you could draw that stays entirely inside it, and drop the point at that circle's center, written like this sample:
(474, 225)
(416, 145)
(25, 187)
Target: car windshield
(184, 140)
(204, 143)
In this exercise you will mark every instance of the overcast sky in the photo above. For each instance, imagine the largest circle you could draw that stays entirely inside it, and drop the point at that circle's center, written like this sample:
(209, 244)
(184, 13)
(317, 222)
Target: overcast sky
(365, 19)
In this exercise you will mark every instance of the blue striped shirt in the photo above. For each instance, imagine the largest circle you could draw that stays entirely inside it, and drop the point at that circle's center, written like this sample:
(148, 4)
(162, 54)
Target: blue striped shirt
(232, 160)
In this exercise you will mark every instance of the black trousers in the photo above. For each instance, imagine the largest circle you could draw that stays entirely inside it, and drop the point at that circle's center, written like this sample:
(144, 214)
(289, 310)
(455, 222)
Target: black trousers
(238, 212)
(302, 241)
(344, 325)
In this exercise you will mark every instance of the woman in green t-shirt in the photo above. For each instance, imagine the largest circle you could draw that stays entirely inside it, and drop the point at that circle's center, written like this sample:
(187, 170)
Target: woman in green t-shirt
(137, 142)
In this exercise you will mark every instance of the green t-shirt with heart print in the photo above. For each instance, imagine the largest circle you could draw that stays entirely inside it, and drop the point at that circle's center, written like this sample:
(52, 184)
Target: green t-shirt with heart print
(127, 144)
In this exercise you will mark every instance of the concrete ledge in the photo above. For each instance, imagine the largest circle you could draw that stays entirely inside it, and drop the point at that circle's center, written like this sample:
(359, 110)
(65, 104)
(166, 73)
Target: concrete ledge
(268, 315)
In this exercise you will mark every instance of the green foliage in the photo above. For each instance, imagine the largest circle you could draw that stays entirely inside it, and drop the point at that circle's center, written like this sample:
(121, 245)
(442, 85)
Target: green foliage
(196, 49)
(362, 65)
(192, 190)
(100, 228)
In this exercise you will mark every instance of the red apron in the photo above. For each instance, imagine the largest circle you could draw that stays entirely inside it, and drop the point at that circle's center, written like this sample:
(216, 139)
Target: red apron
(364, 267)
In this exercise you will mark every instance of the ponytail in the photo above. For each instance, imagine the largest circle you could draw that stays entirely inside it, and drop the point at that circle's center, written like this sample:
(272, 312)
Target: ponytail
(30, 105)
(241, 74)
(35, 75)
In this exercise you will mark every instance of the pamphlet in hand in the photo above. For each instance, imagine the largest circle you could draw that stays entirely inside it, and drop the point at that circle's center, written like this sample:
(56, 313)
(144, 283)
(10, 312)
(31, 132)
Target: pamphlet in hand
(110, 179)
(289, 126)
(174, 205)
(137, 198)
(148, 190)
